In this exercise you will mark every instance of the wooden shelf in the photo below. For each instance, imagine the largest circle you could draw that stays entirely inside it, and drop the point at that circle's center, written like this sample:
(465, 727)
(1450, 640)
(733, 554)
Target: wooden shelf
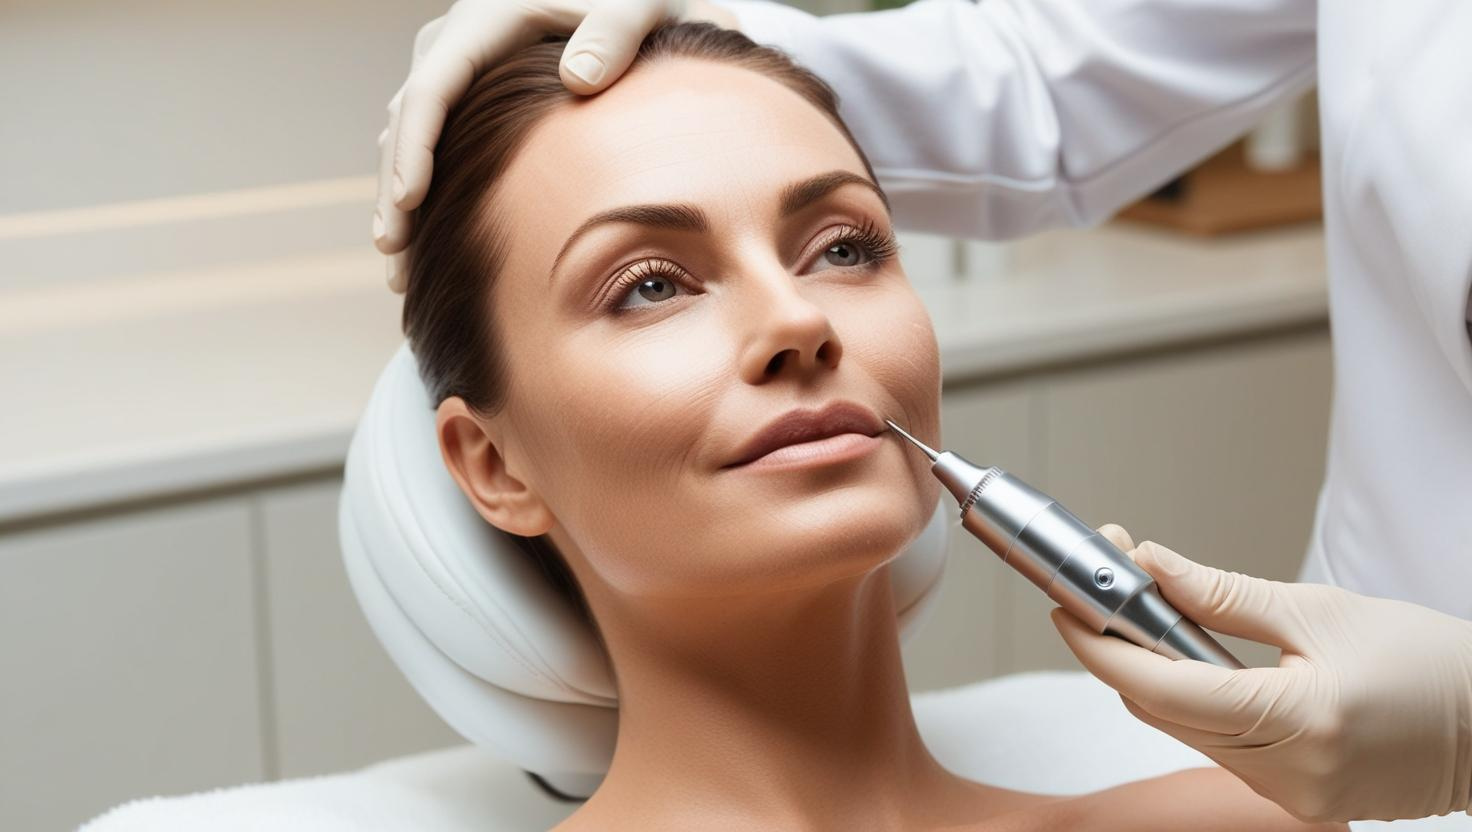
(1224, 195)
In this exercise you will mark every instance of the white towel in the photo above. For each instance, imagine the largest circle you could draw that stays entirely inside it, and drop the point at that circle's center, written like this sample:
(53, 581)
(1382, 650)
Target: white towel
(455, 789)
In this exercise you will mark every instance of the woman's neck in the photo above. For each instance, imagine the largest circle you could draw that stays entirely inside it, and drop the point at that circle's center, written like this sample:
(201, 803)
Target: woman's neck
(794, 707)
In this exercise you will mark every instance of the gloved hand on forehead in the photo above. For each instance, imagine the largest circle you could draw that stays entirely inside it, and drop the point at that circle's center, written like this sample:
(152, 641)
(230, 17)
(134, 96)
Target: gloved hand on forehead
(1368, 714)
(450, 51)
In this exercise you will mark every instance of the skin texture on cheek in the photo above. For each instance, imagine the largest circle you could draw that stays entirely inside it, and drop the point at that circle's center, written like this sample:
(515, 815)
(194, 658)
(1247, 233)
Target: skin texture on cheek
(903, 357)
(625, 420)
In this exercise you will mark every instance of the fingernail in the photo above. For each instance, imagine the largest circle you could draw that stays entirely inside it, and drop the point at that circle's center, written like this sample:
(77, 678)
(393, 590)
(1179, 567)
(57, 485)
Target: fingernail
(399, 188)
(586, 66)
(378, 225)
(1169, 562)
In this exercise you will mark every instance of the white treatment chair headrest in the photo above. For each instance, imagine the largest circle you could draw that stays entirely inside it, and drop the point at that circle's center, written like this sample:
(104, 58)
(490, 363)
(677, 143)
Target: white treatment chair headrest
(479, 632)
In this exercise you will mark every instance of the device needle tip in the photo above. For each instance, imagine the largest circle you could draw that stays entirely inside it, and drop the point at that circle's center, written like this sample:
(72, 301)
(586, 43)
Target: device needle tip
(921, 445)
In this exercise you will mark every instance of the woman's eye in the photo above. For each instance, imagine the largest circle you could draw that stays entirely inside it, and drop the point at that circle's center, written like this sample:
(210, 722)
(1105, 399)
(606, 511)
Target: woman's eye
(652, 282)
(646, 290)
(843, 254)
(859, 247)
(656, 289)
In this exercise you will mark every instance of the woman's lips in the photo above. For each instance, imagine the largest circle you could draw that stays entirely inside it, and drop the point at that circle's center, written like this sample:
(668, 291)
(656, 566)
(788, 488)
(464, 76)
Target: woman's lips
(832, 450)
(802, 425)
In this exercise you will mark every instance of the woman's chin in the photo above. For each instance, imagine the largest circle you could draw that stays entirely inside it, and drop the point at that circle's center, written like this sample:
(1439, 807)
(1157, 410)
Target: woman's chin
(816, 530)
(847, 531)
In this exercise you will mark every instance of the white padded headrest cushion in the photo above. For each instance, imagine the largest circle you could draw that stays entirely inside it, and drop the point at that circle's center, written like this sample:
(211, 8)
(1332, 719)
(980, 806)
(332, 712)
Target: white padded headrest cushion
(482, 636)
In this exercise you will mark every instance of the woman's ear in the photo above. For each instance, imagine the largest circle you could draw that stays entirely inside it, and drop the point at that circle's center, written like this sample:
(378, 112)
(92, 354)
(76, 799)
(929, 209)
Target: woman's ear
(476, 464)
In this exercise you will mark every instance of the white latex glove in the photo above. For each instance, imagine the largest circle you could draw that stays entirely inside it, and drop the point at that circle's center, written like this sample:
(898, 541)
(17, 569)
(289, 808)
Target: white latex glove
(450, 51)
(1368, 714)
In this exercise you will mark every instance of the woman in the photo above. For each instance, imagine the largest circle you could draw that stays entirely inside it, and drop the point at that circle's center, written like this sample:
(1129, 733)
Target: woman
(610, 299)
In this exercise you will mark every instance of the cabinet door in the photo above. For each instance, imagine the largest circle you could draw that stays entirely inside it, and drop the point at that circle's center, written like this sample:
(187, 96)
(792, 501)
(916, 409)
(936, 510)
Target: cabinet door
(1217, 453)
(957, 644)
(127, 646)
(339, 702)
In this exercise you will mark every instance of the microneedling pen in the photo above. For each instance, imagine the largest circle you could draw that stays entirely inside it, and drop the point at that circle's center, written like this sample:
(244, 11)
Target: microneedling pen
(1073, 564)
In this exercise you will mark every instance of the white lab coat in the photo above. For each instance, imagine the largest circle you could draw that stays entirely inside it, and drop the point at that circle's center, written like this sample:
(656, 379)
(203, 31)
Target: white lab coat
(1006, 117)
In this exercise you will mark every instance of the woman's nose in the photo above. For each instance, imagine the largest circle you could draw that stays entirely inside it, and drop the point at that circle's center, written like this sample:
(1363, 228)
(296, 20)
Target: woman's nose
(789, 333)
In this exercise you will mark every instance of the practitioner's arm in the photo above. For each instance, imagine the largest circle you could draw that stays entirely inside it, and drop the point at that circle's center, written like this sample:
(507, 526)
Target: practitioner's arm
(1005, 117)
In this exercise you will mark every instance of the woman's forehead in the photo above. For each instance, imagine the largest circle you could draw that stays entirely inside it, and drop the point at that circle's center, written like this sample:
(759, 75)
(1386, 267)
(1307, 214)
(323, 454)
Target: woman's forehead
(677, 130)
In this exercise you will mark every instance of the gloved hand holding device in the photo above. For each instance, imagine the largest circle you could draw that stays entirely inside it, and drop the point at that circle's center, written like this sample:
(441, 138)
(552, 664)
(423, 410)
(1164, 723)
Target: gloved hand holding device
(1368, 714)
(450, 51)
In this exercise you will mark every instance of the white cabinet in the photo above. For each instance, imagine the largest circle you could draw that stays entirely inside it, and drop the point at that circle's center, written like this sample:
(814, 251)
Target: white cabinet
(175, 649)
(338, 701)
(128, 654)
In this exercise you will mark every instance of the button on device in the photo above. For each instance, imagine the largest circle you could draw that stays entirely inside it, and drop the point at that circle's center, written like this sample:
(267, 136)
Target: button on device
(1104, 577)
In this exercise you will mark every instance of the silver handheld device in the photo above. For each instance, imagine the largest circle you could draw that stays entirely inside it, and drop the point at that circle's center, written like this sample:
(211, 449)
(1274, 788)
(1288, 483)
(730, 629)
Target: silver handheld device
(1070, 562)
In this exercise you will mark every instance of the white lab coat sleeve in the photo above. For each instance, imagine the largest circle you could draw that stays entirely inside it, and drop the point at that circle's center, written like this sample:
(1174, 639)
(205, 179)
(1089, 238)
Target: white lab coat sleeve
(997, 119)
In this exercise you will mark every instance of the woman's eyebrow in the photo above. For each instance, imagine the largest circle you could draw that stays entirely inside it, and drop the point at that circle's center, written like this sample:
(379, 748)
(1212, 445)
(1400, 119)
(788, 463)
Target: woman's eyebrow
(800, 195)
(686, 217)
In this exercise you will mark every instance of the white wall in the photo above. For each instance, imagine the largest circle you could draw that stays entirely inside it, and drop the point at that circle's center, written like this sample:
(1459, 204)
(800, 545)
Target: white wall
(106, 102)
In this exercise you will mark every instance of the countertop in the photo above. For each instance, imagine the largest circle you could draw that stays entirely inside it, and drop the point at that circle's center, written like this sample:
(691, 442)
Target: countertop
(200, 377)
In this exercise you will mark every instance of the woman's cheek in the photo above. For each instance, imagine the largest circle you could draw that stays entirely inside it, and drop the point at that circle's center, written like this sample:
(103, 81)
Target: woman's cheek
(901, 353)
(657, 396)
(635, 430)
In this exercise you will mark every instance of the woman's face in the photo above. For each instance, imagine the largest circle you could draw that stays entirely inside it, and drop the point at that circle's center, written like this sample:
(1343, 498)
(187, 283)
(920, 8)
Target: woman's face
(628, 400)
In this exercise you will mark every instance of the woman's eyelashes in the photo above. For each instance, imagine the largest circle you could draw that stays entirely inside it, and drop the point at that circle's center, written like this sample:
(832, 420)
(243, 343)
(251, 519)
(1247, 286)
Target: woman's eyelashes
(841, 245)
(655, 280)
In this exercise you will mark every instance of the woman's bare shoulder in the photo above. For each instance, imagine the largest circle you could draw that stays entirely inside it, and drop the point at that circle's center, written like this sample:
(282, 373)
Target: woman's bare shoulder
(1199, 799)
